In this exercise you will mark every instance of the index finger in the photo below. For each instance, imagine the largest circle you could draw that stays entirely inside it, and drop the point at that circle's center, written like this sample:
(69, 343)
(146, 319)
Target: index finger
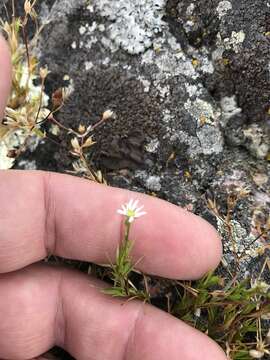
(45, 213)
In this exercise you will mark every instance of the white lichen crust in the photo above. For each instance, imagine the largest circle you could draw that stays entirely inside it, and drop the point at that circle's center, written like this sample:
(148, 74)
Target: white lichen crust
(134, 22)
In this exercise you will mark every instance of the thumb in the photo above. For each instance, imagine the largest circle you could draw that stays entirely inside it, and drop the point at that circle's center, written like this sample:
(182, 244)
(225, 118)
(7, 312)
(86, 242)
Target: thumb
(5, 74)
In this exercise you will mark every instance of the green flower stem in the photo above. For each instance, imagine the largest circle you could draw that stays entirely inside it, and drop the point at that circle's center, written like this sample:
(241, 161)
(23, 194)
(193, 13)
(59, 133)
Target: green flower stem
(126, 248)
(127, 230)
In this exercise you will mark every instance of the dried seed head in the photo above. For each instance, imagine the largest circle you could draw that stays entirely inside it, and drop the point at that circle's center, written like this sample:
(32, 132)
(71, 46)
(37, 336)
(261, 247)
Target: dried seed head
(256, 354)
(27, 7)
(261, 285)
(79, 167)
(66, 92)
(55, 129)
(108, 114)
(75, 144)
(89, 142)
(12, 33)
(43, 72)
(100, 177)
(57, 98)
(12, 153)
(81, 129)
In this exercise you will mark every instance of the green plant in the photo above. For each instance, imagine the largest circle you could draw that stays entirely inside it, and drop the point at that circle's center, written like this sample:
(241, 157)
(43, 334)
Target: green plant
(122, 268)
(231, 313)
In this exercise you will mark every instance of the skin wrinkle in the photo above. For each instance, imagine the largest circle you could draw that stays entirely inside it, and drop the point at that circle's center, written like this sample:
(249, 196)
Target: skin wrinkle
(60, 320)
(50, 229)
(132, 334)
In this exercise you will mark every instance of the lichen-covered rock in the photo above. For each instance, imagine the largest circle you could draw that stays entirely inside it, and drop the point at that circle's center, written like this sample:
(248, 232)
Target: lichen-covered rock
(134, 24)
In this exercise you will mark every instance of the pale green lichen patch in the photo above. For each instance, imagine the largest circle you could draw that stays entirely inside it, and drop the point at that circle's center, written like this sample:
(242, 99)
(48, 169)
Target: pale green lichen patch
(229, 108)
(203, 112)
(223, 8)
(257, 141)
(134, 22)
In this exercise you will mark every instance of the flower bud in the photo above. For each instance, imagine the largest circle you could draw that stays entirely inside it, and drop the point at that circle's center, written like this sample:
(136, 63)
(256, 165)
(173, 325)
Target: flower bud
(27, 7)
(107, 115)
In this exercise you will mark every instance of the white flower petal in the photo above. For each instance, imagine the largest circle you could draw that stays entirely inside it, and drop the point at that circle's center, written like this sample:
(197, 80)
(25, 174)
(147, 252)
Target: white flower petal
(140, 214)
(140, 208)
(124, 208)
(130, 205)
(131, 219)
(134, 205)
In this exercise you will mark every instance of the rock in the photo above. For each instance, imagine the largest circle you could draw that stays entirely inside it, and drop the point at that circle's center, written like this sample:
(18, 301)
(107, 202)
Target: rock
(257, 141)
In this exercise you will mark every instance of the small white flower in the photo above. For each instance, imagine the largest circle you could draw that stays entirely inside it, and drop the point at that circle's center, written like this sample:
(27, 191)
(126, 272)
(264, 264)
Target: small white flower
(131, 210)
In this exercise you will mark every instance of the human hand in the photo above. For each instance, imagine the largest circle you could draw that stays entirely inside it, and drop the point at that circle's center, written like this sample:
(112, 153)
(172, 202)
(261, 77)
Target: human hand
(42, 306)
